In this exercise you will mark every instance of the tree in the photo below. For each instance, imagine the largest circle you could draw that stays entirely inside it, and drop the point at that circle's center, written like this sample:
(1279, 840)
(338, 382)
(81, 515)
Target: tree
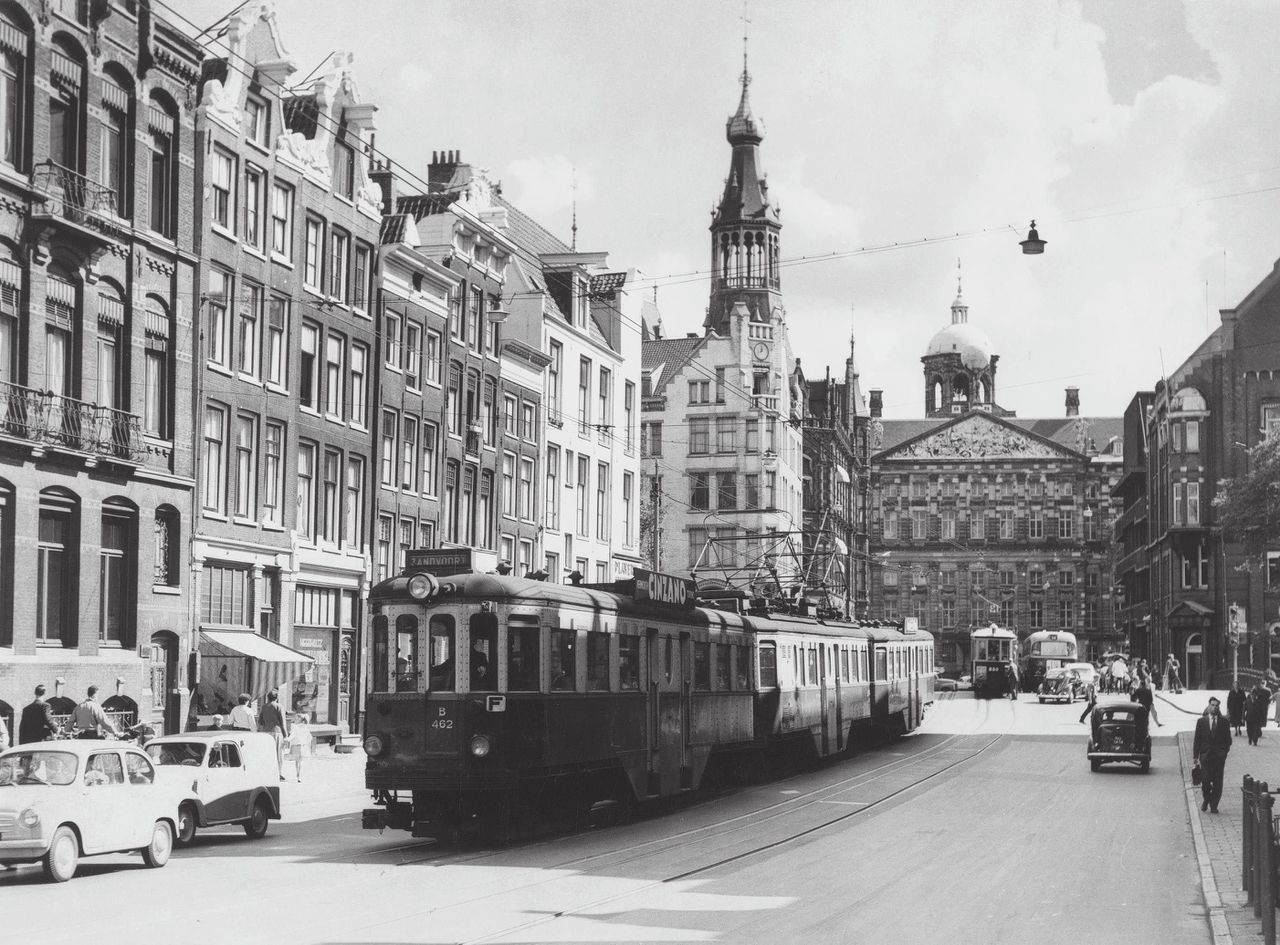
(1249, 505)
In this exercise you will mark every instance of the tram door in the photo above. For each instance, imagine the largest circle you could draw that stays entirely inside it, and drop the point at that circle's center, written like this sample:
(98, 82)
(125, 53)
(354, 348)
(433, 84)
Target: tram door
(653, 724)
(824, 697)
(685, 678)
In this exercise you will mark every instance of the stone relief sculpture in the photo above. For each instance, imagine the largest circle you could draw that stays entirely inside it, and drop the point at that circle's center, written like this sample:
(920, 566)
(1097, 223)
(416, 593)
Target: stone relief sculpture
(975, 438)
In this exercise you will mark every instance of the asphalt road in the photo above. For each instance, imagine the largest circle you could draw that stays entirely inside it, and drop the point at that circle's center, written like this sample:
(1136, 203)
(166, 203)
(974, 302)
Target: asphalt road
(986, 827)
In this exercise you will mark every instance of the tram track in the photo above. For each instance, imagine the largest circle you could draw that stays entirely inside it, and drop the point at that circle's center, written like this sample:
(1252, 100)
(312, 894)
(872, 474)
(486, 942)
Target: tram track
(934, 758)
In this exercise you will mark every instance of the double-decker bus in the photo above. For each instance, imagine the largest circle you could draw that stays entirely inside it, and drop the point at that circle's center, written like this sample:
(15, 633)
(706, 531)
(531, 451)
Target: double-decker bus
(1045, 650)
(993, 659)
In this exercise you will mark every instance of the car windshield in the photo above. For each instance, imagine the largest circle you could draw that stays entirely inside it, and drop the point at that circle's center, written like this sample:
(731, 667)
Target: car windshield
(177, 753)
(1120, 715)
(37, 767)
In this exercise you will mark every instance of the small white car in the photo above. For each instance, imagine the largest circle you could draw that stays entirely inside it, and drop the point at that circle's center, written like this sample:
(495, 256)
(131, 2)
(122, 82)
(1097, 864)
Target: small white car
(61, 800)
(1087, 672)
(228, 777)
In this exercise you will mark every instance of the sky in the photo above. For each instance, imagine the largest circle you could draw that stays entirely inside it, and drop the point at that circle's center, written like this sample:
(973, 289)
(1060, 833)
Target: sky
(1140, 135)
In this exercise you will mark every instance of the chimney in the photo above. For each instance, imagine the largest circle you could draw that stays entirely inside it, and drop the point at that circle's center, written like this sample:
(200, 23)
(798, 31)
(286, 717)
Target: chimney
(382, 175)
(877, 402)
(1073, 401)
(440, 174)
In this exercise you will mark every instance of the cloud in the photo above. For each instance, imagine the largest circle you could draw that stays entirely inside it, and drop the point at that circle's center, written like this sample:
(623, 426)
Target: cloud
(543, 187)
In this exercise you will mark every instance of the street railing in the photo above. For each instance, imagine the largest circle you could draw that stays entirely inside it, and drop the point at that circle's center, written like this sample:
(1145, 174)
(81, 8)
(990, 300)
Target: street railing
(1259, 857)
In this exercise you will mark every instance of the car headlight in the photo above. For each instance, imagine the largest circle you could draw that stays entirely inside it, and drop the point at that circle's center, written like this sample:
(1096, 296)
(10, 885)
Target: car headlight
(480, 745)
(373, 746)
(422, 586)
(29, 818)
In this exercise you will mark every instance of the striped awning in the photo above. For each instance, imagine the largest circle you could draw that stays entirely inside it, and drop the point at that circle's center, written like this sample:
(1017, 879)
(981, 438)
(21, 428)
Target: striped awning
(159, 120)
(12, 37)
(110, 310)
(114, 96)
(271, 665)
(65, 69)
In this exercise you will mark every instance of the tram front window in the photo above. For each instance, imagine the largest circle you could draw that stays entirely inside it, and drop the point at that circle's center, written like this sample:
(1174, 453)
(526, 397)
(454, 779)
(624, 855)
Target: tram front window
(484, 643)
(564, 671)
(442, 654)
(522, 654)
(406, 653)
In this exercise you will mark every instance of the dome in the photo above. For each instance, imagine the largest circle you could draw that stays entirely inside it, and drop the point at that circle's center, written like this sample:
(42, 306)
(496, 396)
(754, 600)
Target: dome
(963, 339)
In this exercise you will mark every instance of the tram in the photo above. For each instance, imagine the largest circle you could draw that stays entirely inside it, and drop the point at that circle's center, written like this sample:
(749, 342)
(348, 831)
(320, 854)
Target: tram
(993, 655)
(1045, 650)
(496, 699)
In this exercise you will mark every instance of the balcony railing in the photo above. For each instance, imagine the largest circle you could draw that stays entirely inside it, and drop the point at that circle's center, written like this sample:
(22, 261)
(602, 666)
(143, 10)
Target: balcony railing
(43, 417)
(473, 442)
(76, 198)
(768, 402)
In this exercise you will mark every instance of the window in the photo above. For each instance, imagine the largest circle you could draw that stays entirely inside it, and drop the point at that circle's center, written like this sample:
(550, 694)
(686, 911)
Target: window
(509, 415)
(891, 524)
(115, 576)
(1193, 503)
(1037, 615)
(628, 510)
(222, 185)
(308, 367)
(334, 350)
(360, 294)
(523, 651)
(699, 436)
(1179, 503)
(277, 331)
(949, 524)
(114, 153)
(56, 572)
(109, 354)
(603, 505)
(1066, 524)
(528, 422)
(699, 491)
(383, 550)
(699, 392)
(253, 206)
(273, 474)
(412, 360)
(525, 503)
(553, 382)
(390, 429)
(726, 434)
(306, 490)
(215, 433)
(339, 251)
(726, 490)
(14, 44)
(1066, 614)
(948, 612)
(216, 344)
(508, 484)
(584, 466)
(919, 524)
(1066, 577)
(409, 454)
(331, 497)
(430, 432)
(246, 466)
(449, 513)
(453, 406)
(1193, 436)
(1006, 524)
(651, 438)
(162, 173)
(250, 317)
(408, 529)
(282, 220)
(562, 667)
(433, 357)
(257, 121)
(485, 510)
(1035, 524)
(344, 175)
(751, 490)
(584, 396)
(359, 383)
(313, 248)
(597, 660)
(1270, 420)
(605, 417)
(167, 548)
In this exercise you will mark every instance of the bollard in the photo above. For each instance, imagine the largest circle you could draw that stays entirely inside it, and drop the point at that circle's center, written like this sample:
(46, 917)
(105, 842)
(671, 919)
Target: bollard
(1248, 792)
(1266, 803)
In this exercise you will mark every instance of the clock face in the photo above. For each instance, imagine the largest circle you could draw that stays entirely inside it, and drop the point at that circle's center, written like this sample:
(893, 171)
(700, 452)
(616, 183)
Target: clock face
(761, 351)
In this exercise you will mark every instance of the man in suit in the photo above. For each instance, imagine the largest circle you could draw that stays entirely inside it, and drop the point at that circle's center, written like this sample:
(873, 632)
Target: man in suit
(1212, 742)
(272, 721)
(37, 723)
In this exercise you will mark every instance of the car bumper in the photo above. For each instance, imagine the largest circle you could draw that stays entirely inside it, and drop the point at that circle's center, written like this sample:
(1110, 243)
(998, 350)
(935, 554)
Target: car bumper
(23, 850)
(1119, 756)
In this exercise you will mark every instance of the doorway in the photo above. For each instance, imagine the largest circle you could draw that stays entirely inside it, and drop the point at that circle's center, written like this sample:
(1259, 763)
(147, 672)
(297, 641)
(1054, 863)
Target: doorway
(163, 678)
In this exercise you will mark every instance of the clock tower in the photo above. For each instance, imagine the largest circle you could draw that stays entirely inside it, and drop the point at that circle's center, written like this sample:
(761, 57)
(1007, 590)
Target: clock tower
(745, 227)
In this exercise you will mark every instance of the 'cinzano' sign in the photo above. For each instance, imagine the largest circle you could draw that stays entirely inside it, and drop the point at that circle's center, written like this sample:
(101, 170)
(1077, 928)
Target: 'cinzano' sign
(665, 589)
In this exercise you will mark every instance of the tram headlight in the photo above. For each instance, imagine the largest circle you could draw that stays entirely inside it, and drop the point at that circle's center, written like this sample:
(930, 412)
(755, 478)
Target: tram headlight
(374, 746)
(422, 586)
(480, 745)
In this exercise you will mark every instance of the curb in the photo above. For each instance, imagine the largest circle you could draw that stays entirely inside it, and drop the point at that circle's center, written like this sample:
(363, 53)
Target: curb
(1215, 912)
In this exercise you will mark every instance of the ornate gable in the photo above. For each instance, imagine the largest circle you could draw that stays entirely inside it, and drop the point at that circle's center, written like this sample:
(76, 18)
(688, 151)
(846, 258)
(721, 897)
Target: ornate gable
(979, 436)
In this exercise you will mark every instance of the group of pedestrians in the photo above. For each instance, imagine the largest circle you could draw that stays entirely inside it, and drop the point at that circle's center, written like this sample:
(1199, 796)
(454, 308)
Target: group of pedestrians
(38, 723)
(294, 741)
(1250, 709)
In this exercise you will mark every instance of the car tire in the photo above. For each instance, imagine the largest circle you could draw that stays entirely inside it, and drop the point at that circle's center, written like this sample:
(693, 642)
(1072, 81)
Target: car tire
(1145, 766)
(1042, 700)
(1094, 764)
(63, 856)
(186, 831)
(256, 825)
(156, 853)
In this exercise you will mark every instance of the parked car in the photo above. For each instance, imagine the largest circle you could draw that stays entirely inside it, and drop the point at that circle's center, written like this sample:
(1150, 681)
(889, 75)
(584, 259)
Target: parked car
(965, 682)
(1058, 685)
(1118, 732)
(65, 799)
(230, 777)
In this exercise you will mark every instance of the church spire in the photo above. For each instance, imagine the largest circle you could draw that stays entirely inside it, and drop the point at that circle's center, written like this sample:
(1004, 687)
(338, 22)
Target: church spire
(959, 310)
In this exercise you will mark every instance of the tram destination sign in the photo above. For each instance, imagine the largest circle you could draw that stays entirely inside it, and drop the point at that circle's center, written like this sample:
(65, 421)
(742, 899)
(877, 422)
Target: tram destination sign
(665, 589)
(439, 561)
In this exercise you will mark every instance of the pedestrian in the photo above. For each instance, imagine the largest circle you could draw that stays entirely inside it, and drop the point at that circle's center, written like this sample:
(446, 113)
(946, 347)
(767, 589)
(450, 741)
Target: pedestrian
(1091, 700)
(1235, 706)
(217, 723)
(89, 720)
(1256, 707)
(301, 743)
(37, 724)
(272, 721)
(481, 675)
(1143, 696)
(1212, 742)
(4, 734)
(1173, 682)
(242, 717)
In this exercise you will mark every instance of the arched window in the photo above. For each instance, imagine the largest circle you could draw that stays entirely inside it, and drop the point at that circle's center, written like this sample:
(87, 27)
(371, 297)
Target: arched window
(10, 312)
(15, 61)
(66, 106)
(156, 403)
(115, 139)
(167, 542)
(935, 395)
(117, 565)
(960, 387)
(62, 303)
(111, 352)
(57, 567)
(162, 176)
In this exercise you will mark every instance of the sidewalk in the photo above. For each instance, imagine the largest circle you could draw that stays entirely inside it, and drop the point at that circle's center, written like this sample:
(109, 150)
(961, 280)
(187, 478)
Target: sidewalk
(332, 785)
(1218, 837)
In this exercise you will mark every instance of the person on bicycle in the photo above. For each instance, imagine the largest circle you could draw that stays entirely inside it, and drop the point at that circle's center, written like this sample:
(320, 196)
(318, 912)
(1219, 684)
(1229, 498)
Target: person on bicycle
(89, 720)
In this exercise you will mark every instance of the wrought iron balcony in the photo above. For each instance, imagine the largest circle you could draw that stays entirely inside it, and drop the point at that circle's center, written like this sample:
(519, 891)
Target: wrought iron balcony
(45, 418)
(473, 442)
(76, 199)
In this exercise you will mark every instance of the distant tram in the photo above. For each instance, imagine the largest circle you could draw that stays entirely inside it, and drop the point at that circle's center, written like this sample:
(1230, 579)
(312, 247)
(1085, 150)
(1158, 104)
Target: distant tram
(1045, 650)
(993, 655)
(499, 700)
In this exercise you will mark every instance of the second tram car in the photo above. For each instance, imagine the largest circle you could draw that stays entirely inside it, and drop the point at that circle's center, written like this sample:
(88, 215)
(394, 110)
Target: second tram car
(1045, 650)
(993, 655)
(497, 698)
